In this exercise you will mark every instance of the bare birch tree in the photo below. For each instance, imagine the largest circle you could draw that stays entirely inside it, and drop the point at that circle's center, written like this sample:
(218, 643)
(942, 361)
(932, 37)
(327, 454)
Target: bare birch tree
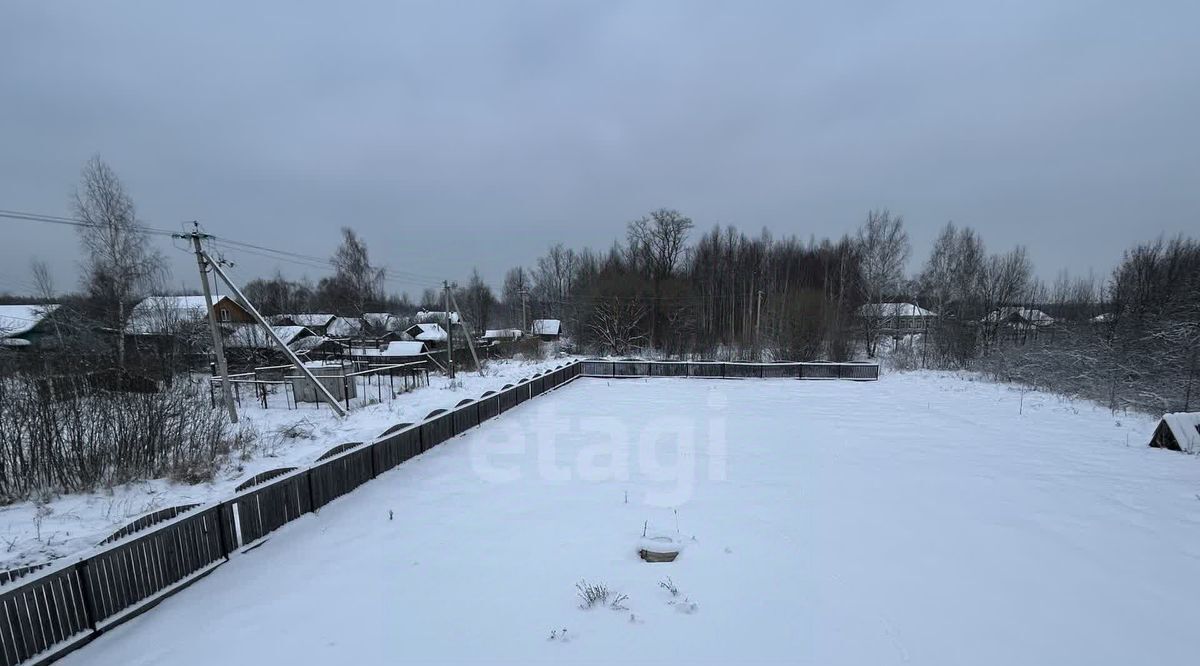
(883, 250)
(118, 261)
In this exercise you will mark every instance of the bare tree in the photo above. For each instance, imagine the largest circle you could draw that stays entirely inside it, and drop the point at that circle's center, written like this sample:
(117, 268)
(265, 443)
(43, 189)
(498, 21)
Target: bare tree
(616, 323)
(478, 301)
(883, 250)
(118, 262)
(515, 294)
(356, 284)
(656, 245)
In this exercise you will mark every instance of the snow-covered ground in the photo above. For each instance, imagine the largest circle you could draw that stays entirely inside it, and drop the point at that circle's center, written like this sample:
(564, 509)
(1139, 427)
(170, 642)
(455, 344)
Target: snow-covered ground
(33, 533)
(921, 519)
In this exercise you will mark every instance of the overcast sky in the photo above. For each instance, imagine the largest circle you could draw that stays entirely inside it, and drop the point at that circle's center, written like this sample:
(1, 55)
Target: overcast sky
(455, 134)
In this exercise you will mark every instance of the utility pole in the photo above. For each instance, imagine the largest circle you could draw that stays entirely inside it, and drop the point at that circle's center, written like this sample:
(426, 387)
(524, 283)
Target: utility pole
(467, 334)
(321, 390)
(758, 325)
(449, 331)
(218, 343)
(524, 323)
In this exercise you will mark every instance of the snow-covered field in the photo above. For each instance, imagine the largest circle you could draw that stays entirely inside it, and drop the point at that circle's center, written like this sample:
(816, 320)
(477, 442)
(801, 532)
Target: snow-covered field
(33, 533)
(920, 519)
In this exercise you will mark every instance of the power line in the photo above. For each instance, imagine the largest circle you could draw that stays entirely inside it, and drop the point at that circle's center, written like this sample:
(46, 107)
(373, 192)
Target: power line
(70, 221)
(321, 265)
(321, 260)
(394, 276)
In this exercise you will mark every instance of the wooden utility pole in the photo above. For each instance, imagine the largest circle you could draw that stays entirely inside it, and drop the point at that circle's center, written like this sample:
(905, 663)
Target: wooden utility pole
(321, 390)
(218, 343)
(524, 323)
(758, 325)
(467, 334)
(449, 331)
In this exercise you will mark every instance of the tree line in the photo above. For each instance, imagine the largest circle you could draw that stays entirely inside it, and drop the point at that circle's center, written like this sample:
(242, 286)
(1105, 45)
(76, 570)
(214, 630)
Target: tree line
(667, 289)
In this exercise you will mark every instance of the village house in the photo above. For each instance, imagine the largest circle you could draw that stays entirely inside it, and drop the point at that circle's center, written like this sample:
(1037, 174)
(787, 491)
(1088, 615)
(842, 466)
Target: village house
(546, 329)
(897, 318)
(170, 315)
(1019, 318)
(28, 326)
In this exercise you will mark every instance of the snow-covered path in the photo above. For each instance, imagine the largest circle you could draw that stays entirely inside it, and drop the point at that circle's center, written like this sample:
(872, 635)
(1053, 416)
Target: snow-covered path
(919, 519)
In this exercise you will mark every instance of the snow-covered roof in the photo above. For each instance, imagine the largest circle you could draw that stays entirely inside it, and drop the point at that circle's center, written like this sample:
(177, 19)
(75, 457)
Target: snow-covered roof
(404, 348)
(309, 343)
(251, 336)
(309, 320)
(344, 327)
(894, 310)
(1027, 315)
(502, 334)
(436, 315)
(546, 327)
(161, 314)
(384, 320)
(427, 332)
(19, 319)
(1185, 426)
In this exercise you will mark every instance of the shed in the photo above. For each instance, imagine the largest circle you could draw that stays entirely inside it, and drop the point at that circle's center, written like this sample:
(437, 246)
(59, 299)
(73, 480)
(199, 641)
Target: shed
(317, 323)
(1179, 431)
(428, 332)
(502, 334)
(408, 348)
(546, 329)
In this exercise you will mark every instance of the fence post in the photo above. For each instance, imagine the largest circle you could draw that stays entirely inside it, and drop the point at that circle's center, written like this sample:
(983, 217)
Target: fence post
(226, 547)
(89, 604)
(311, 497)
(761, 371)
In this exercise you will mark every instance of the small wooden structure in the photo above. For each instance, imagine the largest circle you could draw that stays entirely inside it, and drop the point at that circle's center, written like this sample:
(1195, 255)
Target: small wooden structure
(546, 329)
(1179, 431)
(659, 548)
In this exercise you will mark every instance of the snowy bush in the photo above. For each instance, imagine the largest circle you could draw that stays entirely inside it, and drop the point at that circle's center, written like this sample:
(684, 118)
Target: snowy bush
(592, 595)
(76, 441)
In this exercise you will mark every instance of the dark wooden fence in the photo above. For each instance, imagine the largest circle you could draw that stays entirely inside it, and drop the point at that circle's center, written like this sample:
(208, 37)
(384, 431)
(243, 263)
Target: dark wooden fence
(730, 370)
(47, 610)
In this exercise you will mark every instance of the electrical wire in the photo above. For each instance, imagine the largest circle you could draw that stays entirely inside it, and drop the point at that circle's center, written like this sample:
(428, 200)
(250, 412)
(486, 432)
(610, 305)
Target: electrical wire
(71, 221)
(391, 276)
